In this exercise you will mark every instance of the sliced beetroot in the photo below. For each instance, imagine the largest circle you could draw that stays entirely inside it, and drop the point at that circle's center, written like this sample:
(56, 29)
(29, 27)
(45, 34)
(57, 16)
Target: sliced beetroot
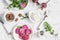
(22, 30)
(28, 32)
(26, 37)
(43, 5)
(25, 27)
(17, 30)
(22, 5)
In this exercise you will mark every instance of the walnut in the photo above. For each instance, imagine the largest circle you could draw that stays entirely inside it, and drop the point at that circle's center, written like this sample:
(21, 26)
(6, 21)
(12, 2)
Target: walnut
(19, 15)
(16, 19)
(9, 17)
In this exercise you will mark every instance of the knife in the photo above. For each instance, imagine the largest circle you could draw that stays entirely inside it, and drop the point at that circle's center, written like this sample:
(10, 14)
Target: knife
(1, 20)
(41, 23)
(9, 34)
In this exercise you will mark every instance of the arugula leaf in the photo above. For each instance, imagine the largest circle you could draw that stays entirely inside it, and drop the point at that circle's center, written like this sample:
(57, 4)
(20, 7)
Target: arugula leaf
(16, 3)
(48, 28)
(52, 32)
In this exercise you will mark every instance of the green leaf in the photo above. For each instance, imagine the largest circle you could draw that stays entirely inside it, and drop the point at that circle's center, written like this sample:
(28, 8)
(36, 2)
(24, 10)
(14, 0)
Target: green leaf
(16, 3)
(48, 28)
(19, 1)
(19, 26)
(52, 32)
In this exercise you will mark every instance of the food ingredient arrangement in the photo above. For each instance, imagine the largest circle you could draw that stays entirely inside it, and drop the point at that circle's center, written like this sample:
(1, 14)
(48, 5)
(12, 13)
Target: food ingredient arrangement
(24, 32)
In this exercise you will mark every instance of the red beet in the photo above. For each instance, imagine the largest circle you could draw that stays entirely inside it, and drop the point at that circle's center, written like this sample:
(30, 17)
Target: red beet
(17, 30)
(25, 27)
(26, 37)
(38, 3)
(43, 5)
(35, 1)
(28, 32)
(23, 32)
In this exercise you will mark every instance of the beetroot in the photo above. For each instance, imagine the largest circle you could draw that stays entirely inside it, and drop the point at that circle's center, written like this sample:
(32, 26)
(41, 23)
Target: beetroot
(22, 5)
(17, 30)
(23, 32)
(43, 5)
(28, 31)
(25, 27)
(35, 1)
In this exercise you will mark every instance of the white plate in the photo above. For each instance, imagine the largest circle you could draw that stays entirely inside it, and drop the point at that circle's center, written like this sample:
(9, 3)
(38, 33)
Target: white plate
(16, 35)
(33, 15)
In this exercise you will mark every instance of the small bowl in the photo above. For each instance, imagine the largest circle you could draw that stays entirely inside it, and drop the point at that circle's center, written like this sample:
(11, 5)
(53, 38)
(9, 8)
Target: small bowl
(8, 12)
(36, 16)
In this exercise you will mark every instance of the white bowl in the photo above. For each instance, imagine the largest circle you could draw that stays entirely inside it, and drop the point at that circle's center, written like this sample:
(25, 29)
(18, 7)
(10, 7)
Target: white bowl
(8, 12)
(36, 15)
(9, 2)
(16, 36)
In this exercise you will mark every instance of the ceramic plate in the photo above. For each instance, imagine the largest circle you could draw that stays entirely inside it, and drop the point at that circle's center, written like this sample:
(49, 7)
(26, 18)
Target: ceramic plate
(14, 33)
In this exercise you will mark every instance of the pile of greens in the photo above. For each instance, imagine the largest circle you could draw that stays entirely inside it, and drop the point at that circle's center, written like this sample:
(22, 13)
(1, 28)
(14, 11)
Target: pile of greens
(48, 28)
(16, 3)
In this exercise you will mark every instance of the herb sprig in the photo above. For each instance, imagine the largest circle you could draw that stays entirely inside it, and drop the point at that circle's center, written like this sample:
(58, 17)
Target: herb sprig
(23, 16)
(48, 28)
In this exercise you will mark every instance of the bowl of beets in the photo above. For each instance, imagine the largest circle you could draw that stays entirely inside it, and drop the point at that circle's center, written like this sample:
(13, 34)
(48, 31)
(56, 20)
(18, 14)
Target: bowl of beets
(23, 32)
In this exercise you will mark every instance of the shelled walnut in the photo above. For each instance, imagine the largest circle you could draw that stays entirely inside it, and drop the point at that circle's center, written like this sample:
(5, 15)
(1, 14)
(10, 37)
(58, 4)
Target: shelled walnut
(9, 17)
(19, 15)
(16, 19)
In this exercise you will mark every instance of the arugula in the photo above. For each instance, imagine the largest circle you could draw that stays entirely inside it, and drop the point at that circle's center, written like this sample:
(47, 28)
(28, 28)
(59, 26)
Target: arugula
(23, 17)
(16, 3)
(48, 28)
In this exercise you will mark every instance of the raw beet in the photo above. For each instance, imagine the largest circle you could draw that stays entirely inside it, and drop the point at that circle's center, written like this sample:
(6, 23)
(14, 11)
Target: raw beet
(25, 27)
(28, 32)
(43, 5)
(23, 32)
(35, 1)
(17, 30)
(23, 5)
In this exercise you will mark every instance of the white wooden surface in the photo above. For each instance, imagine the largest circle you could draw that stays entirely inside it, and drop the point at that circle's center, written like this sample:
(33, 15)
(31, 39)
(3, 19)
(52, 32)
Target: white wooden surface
(53, 12)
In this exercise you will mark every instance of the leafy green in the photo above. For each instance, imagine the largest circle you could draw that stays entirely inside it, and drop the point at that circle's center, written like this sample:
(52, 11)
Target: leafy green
(19, 26)
(52, 32)
(16, 3)
(23, 17)
(48, 28)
